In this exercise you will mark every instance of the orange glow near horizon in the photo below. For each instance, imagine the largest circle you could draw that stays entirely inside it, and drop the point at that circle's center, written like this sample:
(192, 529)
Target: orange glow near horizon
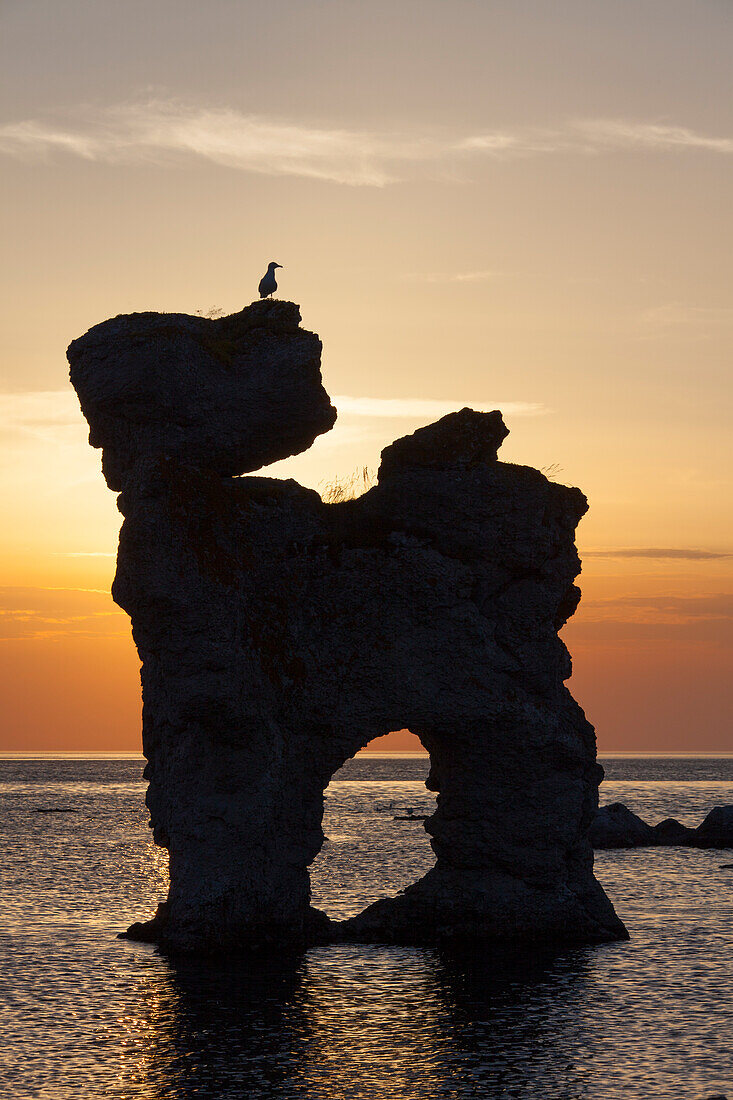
(650, 654)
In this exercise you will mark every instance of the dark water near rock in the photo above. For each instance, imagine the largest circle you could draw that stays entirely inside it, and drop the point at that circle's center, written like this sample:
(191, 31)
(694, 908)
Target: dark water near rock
(85, 1015)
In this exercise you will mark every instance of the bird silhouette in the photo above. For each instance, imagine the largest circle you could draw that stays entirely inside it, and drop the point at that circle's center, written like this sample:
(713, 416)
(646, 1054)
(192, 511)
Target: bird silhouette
(268, 286)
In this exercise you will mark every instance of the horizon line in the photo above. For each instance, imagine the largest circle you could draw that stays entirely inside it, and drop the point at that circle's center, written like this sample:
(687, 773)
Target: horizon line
(120, 754)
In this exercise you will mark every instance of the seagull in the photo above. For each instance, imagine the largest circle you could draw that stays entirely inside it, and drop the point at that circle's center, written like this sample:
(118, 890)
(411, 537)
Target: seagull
(268, 286)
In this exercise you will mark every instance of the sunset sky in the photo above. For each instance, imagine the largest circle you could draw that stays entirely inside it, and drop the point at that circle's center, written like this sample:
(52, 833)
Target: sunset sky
(514, 205)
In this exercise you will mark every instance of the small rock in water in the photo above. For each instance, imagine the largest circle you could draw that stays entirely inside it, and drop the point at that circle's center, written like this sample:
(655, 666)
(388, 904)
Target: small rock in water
(716, 831)
(55, 810)
(673, 833)
(615, 826)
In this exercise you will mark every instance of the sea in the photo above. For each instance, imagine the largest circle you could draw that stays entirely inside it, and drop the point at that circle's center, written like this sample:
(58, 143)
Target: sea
(84, 1015)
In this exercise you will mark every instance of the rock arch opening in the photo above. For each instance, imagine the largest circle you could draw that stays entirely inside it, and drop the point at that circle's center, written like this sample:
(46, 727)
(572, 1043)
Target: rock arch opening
(375, 840)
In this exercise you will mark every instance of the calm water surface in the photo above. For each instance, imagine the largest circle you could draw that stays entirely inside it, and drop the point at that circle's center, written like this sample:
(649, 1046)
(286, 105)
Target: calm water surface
(86, 1015)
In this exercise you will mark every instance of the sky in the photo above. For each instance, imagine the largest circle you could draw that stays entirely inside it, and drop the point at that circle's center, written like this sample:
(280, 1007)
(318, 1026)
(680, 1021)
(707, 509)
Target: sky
(513, 205)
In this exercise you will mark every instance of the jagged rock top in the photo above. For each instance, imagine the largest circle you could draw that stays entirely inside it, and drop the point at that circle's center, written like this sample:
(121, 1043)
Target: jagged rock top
(461, 439)
(229, 395)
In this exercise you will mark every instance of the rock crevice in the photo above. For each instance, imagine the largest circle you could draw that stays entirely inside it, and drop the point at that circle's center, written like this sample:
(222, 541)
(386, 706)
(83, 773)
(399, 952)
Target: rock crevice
(279, 635)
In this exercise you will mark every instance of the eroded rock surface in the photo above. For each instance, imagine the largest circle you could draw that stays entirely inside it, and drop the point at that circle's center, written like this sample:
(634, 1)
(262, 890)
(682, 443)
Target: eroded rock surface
(279, 635)
(228, 395)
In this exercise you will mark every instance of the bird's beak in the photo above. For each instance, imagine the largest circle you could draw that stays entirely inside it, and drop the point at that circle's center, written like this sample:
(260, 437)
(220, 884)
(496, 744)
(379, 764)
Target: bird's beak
(278, 265)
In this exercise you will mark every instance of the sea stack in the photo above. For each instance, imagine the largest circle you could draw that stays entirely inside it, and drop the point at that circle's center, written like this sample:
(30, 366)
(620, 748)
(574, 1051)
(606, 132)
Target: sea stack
(279, 635)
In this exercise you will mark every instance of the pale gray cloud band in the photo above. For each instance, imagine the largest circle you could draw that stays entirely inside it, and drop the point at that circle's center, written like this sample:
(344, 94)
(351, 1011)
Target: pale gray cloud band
(169, 132)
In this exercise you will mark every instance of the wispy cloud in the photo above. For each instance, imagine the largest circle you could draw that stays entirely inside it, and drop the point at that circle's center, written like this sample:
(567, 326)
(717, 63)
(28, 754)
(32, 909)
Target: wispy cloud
(162, 132)
(522, 142)
(417, 408)
(706, 619)
(46, 414)
(660, 608)
(87, 554)
(673, 314)
(53, 417)
(169, 131)
(452, 277)
(40, 612)
(619, 134)
(43, 437)
(683, 553)
(48, 411)
(33, 138)
(595, 136)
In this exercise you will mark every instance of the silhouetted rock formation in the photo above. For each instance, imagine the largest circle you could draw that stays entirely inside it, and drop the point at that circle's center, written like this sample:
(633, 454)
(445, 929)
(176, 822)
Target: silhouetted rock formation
(615, 826)
(716, 831)
(279, 635)
(227, 395)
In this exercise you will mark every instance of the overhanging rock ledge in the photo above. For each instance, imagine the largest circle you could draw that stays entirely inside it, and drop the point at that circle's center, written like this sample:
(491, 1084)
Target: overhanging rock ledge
(228, 395)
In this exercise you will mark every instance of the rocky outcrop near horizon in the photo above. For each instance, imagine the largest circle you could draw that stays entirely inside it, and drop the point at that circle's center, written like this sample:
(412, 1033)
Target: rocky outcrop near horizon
(616, 826)
(279, 635)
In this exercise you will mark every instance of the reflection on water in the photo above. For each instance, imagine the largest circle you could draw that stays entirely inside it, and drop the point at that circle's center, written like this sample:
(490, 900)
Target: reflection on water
(223, 1028)
(349, 1022)
(85, 1015)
